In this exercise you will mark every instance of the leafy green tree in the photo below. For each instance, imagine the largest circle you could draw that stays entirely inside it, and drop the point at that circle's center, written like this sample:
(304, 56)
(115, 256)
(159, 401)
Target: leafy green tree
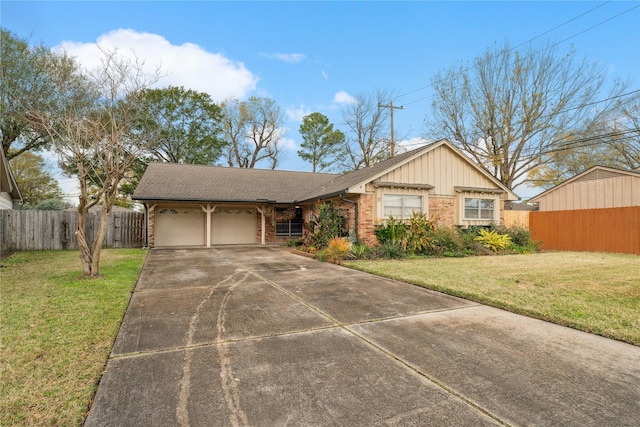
(34, 180)
(32, 78)
(321, 143)
(188, 125)
(508, 109)
(51, 205)
(253, 131)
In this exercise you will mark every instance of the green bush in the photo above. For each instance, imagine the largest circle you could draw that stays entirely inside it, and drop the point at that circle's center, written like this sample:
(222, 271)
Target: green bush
(418, 230)
(390, 250)
(359, 250)
(393, 230)
(326, 224)
(445, 240)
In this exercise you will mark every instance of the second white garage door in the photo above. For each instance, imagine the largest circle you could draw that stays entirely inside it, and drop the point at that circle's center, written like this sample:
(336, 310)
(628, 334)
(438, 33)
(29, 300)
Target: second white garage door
(233, 226)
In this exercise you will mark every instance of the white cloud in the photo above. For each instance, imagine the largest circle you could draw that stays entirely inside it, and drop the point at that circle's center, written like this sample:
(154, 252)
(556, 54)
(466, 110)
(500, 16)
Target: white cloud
(343, 97)
(413, 143)
(187, 65)
(297, 114)
(325, 75)
(288, 144)
(291, 58)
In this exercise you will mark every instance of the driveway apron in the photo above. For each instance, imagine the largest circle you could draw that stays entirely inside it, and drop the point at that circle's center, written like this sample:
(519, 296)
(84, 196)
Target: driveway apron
(257, 336)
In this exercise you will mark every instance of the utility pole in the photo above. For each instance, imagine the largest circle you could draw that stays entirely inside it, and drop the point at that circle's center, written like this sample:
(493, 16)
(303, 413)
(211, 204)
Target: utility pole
(391, 108)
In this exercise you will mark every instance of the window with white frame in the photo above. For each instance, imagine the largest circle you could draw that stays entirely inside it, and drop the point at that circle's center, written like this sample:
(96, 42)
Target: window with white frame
(475, 208)
(401, 205)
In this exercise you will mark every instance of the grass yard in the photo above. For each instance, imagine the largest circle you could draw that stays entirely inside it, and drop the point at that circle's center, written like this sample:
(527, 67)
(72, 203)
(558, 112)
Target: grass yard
(57, 330)
(593, 292)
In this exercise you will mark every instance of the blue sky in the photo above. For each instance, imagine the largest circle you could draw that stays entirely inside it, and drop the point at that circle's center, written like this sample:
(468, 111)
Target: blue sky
(315, 56)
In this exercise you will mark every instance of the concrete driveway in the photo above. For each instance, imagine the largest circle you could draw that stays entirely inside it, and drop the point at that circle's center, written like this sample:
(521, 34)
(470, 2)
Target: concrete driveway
(258, 336)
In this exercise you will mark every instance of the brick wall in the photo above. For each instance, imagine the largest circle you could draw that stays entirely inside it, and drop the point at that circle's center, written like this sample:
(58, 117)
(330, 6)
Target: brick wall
(443, 208)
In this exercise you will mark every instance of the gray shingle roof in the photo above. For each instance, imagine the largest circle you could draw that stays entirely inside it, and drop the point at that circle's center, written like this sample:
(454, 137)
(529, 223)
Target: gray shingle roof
(171, 181)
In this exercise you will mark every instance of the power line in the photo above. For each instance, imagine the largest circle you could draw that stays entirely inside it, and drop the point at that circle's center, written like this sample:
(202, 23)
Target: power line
(534, 38)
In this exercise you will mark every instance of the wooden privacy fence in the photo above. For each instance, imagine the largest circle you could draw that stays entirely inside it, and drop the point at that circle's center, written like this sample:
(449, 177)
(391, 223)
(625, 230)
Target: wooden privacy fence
(516, 219)
(45, 230)
(614, 230)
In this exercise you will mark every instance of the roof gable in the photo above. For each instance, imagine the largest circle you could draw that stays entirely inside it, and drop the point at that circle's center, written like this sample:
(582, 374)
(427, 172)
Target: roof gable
(7, 181)
(350, 182)
(591, 174)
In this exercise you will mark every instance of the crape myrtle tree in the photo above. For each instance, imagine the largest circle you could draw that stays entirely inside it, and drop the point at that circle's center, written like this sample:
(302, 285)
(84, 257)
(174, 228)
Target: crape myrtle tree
(320, 142)
(97, 138)
(253, 131)
(508, 109)
(32, 78)
(368, 133)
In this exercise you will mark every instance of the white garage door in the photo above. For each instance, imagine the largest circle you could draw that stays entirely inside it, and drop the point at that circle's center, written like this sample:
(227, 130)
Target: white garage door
(180, 227)
(233, 226)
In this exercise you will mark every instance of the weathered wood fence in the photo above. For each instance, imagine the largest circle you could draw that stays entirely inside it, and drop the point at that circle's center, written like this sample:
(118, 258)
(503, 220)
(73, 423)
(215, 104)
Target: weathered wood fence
(43, 230)
(614, 230)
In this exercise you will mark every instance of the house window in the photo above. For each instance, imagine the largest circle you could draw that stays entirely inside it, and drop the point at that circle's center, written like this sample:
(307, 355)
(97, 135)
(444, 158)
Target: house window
(479, 209)
(401, 206)
(288, 222)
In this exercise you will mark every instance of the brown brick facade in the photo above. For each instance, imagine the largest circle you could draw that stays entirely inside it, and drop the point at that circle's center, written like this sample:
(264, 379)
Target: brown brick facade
(443, 209)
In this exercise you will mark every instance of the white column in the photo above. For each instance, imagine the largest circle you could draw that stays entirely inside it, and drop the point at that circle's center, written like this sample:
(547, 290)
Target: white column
(208, 210)
(263, 224)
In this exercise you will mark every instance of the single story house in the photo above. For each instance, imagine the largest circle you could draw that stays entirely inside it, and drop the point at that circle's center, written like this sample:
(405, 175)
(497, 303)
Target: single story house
(596, 188)
(197, 205)
(10, 195)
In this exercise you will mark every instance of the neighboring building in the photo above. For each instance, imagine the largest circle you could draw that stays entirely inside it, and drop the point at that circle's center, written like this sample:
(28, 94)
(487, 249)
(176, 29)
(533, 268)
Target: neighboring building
(10, 196)
(195, 205)
(595, 188)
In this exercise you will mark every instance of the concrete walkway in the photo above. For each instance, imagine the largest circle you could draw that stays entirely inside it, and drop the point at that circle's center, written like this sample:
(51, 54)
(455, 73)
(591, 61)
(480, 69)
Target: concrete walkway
(258, 336)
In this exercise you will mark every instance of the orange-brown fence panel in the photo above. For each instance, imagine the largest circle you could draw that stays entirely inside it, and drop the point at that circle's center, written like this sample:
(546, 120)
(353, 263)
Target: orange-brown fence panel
(614, 230)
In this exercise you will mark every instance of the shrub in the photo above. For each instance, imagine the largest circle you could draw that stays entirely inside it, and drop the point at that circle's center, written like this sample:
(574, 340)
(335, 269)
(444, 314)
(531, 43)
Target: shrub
(359, 250)
(445, 240)
(390, 250)
(418, 233)
(324, 226)
(393, 230)
(493, 240)
(337, 249)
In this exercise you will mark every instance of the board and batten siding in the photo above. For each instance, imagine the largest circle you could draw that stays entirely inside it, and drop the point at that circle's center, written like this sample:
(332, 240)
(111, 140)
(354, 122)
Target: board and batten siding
(442, 168)
(615, 192)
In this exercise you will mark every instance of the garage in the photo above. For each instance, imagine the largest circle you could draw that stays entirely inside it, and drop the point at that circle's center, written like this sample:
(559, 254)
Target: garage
(180, 227)
(233, 226)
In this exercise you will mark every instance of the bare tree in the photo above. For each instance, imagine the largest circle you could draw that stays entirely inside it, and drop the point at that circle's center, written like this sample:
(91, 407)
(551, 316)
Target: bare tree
(368, 133)
(96, 141)
(611, 139)
(509, 109)
(253, 131)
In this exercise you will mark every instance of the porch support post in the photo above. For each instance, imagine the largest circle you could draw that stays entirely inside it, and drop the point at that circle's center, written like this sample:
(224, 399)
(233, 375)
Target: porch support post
(208, 210)
(262, 225)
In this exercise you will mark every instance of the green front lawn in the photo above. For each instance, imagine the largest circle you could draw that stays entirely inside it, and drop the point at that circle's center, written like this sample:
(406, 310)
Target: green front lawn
(593, 292)
(57, 331)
